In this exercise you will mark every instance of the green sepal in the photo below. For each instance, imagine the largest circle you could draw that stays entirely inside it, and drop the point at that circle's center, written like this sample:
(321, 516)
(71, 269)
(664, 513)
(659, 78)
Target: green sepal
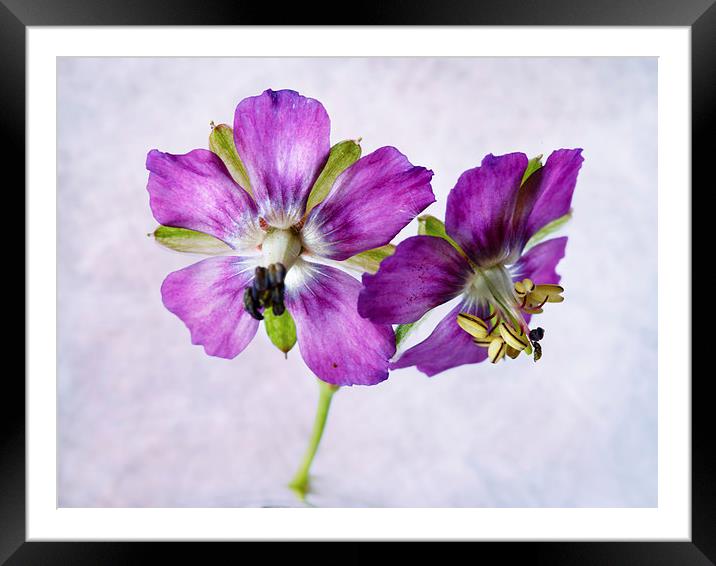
(189, 241)
(532, 166)
(402, 331)
(342, 155)
(548, 230)
(221, 142)
(369, 261)
(281, 330)
(430, 226)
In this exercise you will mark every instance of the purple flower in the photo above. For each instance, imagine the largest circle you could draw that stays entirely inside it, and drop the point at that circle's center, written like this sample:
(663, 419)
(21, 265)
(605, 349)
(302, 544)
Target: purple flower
(491, 215)
(251, 208)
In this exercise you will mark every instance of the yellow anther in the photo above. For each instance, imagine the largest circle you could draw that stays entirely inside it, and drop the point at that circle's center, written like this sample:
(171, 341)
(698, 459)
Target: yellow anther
(483, 342)
(473, 325)
(486, 340)
(524, 287)
(550, 289)
(501, 340)
(496, 350)
(552, 293)
(514, 338)
(533, 297)
(512, 352)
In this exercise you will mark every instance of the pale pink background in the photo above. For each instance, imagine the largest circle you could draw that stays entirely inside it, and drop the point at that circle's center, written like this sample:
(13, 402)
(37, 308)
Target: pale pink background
(147, 419)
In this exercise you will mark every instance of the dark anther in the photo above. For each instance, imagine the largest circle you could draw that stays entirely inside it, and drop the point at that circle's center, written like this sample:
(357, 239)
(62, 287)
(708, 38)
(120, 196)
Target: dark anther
(248, 299)
(251, 305)
(280, 273)
(266, 291)
(538, 350)
(276, 274)
(277, 300)
(272, 275)
(278, 309)
(261, 279)
(277, 294)
(255, 295)
(537, 334)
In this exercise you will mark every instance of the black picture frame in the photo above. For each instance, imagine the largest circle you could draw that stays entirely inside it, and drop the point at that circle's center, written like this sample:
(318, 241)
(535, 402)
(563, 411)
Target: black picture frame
(17, 15)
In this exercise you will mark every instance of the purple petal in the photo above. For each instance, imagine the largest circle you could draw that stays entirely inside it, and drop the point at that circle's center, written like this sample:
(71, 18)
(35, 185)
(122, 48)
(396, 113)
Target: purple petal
(208, 297)
(195, 191)
(424, 272)
(283, 141)
(447, 347)
(547, 194)
(480, 206)
(369, 203)
(337, 344)
(540, 262)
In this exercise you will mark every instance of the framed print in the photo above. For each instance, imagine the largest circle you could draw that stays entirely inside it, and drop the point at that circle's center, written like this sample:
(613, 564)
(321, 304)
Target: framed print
(407, 278)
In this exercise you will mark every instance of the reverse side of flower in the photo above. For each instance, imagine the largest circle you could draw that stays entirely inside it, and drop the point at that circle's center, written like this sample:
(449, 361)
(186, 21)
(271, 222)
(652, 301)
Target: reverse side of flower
(487, 254)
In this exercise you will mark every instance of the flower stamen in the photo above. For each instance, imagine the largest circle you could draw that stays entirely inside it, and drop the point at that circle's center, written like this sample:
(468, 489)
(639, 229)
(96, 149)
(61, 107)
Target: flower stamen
(536, 335)
(267, 290)
(509, 335)
(496, 350)
(516, 339)
(474, 326)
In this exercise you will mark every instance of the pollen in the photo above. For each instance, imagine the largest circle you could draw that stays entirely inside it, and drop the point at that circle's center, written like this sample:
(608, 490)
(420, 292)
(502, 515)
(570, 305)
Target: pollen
(504, 332)
(474, 326)
(534, 297)
(496, 350)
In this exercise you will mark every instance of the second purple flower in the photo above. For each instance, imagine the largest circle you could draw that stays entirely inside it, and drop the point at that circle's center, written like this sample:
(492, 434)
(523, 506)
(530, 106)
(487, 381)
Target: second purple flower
(492, 214)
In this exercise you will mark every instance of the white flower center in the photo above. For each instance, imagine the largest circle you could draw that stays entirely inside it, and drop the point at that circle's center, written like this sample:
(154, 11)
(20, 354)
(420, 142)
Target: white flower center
(280, 246)
(492, 285)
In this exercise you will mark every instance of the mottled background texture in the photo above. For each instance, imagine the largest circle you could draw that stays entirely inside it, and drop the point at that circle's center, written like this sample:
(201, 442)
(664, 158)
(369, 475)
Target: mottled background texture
(147, 419)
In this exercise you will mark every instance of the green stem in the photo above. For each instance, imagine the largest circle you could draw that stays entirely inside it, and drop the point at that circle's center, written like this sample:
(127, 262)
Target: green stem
(300, 484)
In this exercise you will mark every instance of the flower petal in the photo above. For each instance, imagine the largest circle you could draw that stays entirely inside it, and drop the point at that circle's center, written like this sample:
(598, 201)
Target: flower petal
(337, 344)
(480, 206)
(196, 191)
(423, 273)
(370, 202)
(447, 347)
(208, 298)
(283, 140)
(540, 263)
(547, 194)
